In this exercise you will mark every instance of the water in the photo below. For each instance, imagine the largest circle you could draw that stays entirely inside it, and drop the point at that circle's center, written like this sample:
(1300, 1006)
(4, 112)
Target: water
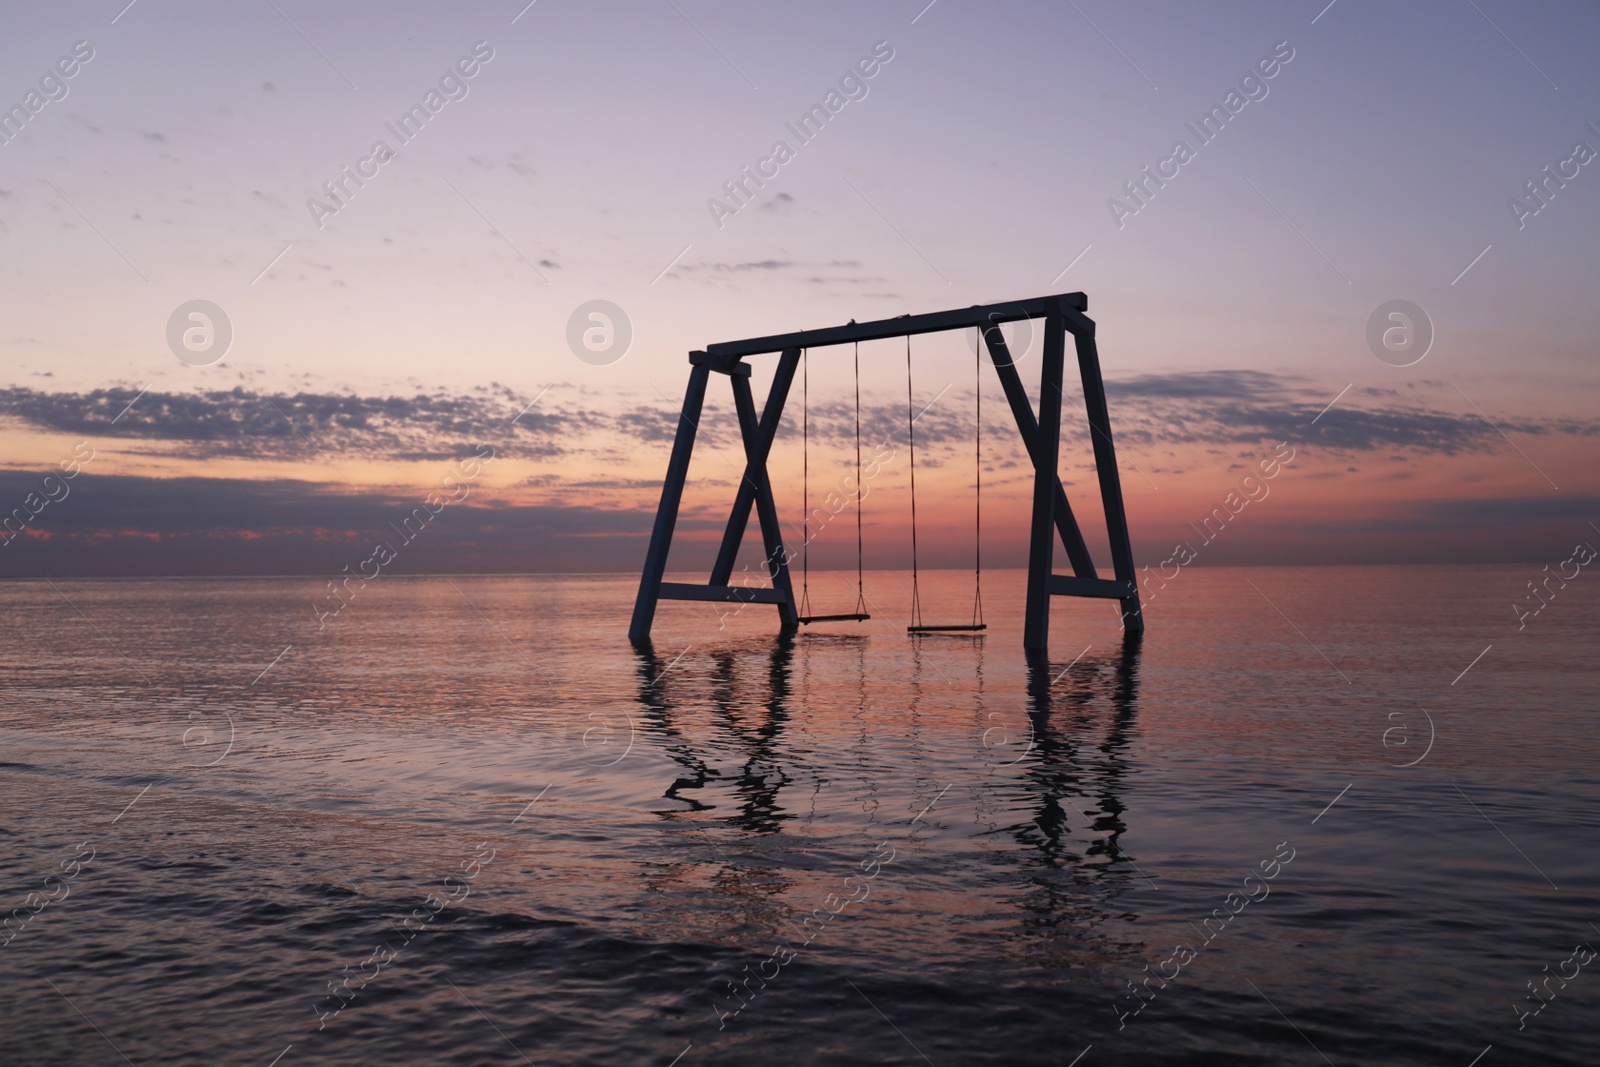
(996, 850)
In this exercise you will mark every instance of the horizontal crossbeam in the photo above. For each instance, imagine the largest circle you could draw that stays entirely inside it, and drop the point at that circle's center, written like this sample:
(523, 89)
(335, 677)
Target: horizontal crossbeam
(977, 315)
(728, 365)
(1065, 585)
(753, 595)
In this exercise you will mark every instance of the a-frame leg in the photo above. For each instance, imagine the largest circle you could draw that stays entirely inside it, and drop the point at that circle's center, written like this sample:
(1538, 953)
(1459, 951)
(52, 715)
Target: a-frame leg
(745, 496)
(1105, 462)
(655, 560)
(1028, 430)
(1046, 460)
(757, 442)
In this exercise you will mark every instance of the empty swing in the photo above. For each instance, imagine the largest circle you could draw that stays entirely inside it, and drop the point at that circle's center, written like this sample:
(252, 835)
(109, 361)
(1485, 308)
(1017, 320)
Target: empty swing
(917, 625)
(805, 616)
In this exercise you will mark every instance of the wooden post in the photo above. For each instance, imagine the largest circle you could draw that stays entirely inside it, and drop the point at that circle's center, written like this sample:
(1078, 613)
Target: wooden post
(1105, 463)
(1046, 460)
(655, 560)
(756, 472)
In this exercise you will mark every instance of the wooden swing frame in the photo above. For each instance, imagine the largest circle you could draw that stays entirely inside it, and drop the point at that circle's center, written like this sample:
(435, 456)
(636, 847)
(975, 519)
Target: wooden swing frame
(1040, 433)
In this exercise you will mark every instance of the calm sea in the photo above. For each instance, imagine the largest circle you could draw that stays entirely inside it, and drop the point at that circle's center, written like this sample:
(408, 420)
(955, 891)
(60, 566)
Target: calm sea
(1341, 815)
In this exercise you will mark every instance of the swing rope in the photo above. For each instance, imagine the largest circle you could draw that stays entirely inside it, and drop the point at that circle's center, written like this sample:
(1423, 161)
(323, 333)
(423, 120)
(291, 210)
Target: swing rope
(805, 483)
(804, 611)
(977, 464)
(861, 493)
(917, 625)
(911, 442)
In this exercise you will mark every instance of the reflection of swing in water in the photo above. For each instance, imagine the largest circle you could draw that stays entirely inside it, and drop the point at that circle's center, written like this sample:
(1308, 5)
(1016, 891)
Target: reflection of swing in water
(1056, 766)
(761, 777)
(1059, 771)
(1055, 769)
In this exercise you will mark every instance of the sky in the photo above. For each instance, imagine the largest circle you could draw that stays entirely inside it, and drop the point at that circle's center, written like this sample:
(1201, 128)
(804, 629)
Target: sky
(386, 330)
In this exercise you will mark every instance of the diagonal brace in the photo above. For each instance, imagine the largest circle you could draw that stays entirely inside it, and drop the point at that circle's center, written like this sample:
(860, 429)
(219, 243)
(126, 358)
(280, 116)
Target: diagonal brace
(758, 445)
(1028, 430)
(755, 487)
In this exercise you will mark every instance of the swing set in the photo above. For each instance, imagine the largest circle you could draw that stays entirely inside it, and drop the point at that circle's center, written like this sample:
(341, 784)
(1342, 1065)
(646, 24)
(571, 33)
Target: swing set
(1041, 436)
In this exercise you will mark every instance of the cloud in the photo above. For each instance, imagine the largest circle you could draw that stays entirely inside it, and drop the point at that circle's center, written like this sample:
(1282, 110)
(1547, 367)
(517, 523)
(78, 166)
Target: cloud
(284, 526)
(596, 499)
(242, 422)
(1205, 385)
(736, 268)
(1579, 507)
(1233, 407)
(1207, 408)
(1221, 408)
